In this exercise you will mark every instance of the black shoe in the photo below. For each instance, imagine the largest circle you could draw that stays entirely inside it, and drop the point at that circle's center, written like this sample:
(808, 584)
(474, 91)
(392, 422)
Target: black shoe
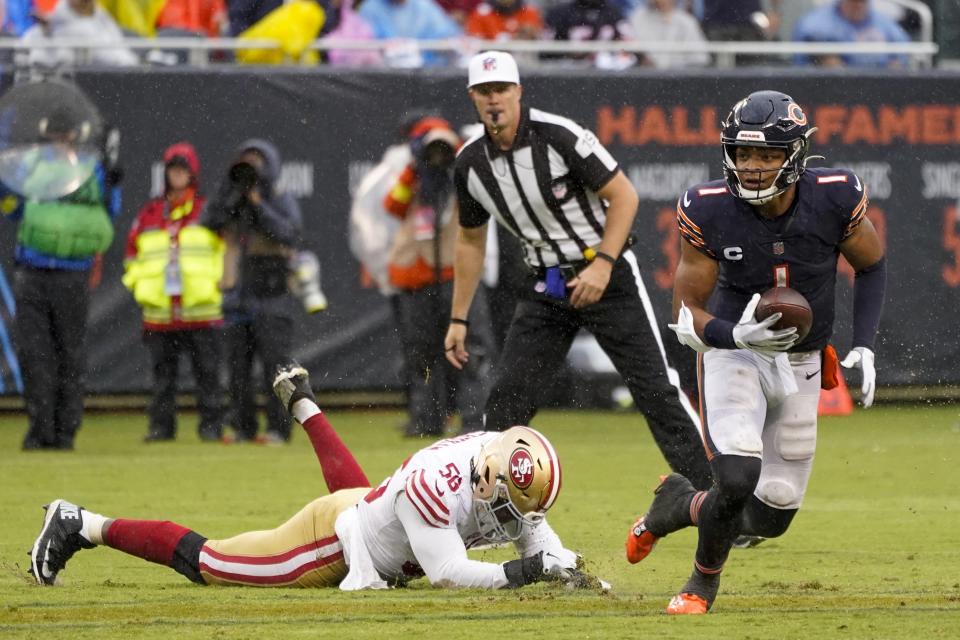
(273, 439)
(292, 383)
(59, 539)
(669, 512)
(670, 509)
(744, 541)
(37, 445)
(210, 435)
(158, 437)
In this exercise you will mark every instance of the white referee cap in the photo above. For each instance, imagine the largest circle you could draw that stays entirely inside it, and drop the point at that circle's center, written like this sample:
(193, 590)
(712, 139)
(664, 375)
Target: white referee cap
(492, 66)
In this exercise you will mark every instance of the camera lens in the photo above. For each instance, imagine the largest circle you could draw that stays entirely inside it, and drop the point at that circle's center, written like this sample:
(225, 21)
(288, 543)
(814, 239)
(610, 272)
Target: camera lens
(243, 176)
(439, 154)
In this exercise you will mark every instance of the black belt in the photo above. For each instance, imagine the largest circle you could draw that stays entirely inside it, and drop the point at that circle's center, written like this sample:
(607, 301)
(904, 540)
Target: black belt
(568, 269)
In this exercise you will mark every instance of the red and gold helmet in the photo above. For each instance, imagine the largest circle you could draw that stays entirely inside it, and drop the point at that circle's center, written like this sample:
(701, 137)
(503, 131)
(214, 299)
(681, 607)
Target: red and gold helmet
(516, 479)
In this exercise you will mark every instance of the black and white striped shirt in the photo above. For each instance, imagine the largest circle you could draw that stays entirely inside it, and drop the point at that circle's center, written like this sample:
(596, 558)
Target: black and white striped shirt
(543, 189)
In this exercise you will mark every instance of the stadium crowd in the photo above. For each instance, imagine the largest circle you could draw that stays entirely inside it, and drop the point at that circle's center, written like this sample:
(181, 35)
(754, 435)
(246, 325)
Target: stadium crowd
(296, 24)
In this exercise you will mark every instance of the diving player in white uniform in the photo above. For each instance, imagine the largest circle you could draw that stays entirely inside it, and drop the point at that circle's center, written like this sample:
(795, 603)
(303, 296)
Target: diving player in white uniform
(479, 488)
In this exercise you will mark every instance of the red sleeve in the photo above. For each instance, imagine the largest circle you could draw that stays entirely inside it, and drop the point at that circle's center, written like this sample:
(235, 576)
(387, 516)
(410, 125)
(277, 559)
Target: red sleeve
(397, 201)
(131, 249)
(530, 16)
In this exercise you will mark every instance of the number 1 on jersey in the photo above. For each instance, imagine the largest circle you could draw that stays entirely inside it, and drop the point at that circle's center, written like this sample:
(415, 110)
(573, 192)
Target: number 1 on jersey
(781, 275)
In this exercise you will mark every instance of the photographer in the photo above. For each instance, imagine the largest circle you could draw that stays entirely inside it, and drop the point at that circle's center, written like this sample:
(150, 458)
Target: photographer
(421, 269)
(261, 229)
(60, 182)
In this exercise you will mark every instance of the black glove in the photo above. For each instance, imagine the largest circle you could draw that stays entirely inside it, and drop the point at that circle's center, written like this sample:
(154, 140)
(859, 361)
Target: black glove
(523, 571)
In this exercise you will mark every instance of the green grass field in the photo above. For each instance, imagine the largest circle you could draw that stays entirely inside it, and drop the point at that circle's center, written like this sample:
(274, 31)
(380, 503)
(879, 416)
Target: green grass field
(875, 552)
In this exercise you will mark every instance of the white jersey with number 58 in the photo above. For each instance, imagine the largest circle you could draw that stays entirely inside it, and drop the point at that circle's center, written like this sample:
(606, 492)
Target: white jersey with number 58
(420, 520)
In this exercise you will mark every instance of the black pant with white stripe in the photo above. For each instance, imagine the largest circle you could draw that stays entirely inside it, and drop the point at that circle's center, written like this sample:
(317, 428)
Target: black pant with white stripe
(623, 323)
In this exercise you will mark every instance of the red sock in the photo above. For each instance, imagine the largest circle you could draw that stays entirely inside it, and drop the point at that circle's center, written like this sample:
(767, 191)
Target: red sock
(153, 540)
(340, 469)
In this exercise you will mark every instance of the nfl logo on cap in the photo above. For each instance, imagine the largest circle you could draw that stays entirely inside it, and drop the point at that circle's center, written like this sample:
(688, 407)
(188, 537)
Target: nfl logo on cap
(492, 66)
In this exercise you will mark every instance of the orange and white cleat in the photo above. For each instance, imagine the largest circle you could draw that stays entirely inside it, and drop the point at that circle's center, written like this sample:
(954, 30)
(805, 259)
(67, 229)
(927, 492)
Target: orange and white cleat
(665, 515)
(640, 542)
(687, 604)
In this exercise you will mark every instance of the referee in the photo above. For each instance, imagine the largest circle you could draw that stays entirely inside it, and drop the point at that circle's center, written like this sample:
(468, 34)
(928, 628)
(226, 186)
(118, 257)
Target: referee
(554, 186)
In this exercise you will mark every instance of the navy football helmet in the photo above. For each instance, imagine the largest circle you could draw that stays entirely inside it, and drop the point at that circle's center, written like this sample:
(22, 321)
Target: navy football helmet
(766, 119)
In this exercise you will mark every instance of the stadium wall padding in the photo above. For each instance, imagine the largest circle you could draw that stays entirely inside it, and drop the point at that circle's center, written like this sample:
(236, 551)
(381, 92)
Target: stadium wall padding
(901, 133)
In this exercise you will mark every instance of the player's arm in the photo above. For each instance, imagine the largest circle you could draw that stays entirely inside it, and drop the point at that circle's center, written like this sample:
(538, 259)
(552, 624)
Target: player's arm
(441, 554)
(700, 330)
(864, 251)
(693, 284)
(469, 253)
(622, 201)
(862, 248)
(471, 248)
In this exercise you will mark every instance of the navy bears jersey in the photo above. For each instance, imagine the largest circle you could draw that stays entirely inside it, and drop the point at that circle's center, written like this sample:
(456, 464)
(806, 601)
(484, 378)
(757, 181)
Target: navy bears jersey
(799, 249)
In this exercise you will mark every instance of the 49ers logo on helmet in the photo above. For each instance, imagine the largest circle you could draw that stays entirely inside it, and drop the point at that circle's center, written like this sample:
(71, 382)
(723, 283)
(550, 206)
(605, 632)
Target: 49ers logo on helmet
(521, 468)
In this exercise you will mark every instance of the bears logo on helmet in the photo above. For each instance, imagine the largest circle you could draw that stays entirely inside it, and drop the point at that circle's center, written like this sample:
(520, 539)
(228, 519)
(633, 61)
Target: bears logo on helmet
(766, 119)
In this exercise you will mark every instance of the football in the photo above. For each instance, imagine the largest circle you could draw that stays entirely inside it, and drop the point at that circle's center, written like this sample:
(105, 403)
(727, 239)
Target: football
(791, 303)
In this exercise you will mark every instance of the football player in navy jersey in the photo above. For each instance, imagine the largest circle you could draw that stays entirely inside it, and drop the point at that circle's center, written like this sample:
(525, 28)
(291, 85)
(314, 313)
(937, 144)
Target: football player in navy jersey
(770, 222)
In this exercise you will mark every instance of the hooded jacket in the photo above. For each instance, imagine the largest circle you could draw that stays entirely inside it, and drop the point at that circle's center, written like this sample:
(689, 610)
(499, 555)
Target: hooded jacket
(260, 237)
(173, 265)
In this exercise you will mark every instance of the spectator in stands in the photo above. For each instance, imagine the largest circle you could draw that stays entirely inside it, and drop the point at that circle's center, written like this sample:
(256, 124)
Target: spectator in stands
(78, 20)
(581, 20)
(458, 9)
(243, 14)
(413, 19)
(173, 267)
(663, 21)
(16, 16)
(850, 21)
(505, 20)
(294, 26)
(352, 25)
(738, 20)
(197, 17)
(134, 17)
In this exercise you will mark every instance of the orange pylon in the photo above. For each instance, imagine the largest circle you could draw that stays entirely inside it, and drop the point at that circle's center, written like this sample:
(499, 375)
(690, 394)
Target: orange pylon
(836, 401)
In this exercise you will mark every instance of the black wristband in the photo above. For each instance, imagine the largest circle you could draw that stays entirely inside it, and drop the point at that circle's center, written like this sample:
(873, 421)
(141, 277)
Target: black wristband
(523, 570)
(459, 321)
(719, 333)
(606, 256)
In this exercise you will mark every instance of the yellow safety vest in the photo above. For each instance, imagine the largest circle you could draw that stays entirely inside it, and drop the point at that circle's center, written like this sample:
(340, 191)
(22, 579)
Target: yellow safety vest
(199, 254)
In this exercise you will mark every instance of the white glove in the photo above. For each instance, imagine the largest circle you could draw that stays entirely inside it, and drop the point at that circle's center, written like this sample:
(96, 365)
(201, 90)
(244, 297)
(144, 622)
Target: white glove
(862, 358)
(758, 336)
(559, 562)
(562, 564)
(686, 334)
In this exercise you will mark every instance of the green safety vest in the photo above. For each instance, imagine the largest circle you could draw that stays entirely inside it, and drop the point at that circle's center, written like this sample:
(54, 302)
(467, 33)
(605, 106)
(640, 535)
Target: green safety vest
(75, 226)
